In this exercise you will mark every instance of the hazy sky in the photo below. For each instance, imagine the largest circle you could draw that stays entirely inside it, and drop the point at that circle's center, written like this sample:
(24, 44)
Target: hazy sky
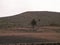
(12, 7)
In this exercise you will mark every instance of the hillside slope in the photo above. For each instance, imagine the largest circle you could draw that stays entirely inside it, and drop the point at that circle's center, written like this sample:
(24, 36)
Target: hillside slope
(24, 19)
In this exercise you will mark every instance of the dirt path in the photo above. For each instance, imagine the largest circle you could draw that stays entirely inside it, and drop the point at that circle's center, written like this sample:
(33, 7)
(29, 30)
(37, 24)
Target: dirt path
(49, 36)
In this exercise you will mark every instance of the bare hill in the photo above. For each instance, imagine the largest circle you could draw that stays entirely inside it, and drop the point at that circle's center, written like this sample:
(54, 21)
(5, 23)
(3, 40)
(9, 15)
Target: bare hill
(24, 19)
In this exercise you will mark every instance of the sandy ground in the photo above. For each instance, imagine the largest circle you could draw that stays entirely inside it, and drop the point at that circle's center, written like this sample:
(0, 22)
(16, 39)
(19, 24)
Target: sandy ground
(49, 36)
(45, 35)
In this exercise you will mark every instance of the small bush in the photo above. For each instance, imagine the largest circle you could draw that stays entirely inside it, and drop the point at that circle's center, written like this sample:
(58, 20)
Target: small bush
(53, 24)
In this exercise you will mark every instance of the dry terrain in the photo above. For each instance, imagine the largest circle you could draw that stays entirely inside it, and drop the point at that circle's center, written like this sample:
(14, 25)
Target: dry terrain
(46, 32)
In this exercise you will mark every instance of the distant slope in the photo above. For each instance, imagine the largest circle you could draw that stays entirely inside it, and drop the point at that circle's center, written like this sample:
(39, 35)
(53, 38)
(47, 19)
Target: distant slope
(24, 19)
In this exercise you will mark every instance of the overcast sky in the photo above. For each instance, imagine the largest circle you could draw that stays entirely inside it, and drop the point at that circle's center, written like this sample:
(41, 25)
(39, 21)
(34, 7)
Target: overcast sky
(12, 7)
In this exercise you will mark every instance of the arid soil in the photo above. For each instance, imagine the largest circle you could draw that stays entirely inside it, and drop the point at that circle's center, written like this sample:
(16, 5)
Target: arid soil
(48, 33)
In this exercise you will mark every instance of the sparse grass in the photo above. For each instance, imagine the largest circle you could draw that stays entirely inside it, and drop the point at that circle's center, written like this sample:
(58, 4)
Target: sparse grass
(21, 39)
(44, 29)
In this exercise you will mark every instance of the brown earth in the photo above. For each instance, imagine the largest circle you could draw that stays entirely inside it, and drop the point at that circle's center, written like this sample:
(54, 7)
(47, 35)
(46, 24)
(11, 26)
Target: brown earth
(50, 35)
